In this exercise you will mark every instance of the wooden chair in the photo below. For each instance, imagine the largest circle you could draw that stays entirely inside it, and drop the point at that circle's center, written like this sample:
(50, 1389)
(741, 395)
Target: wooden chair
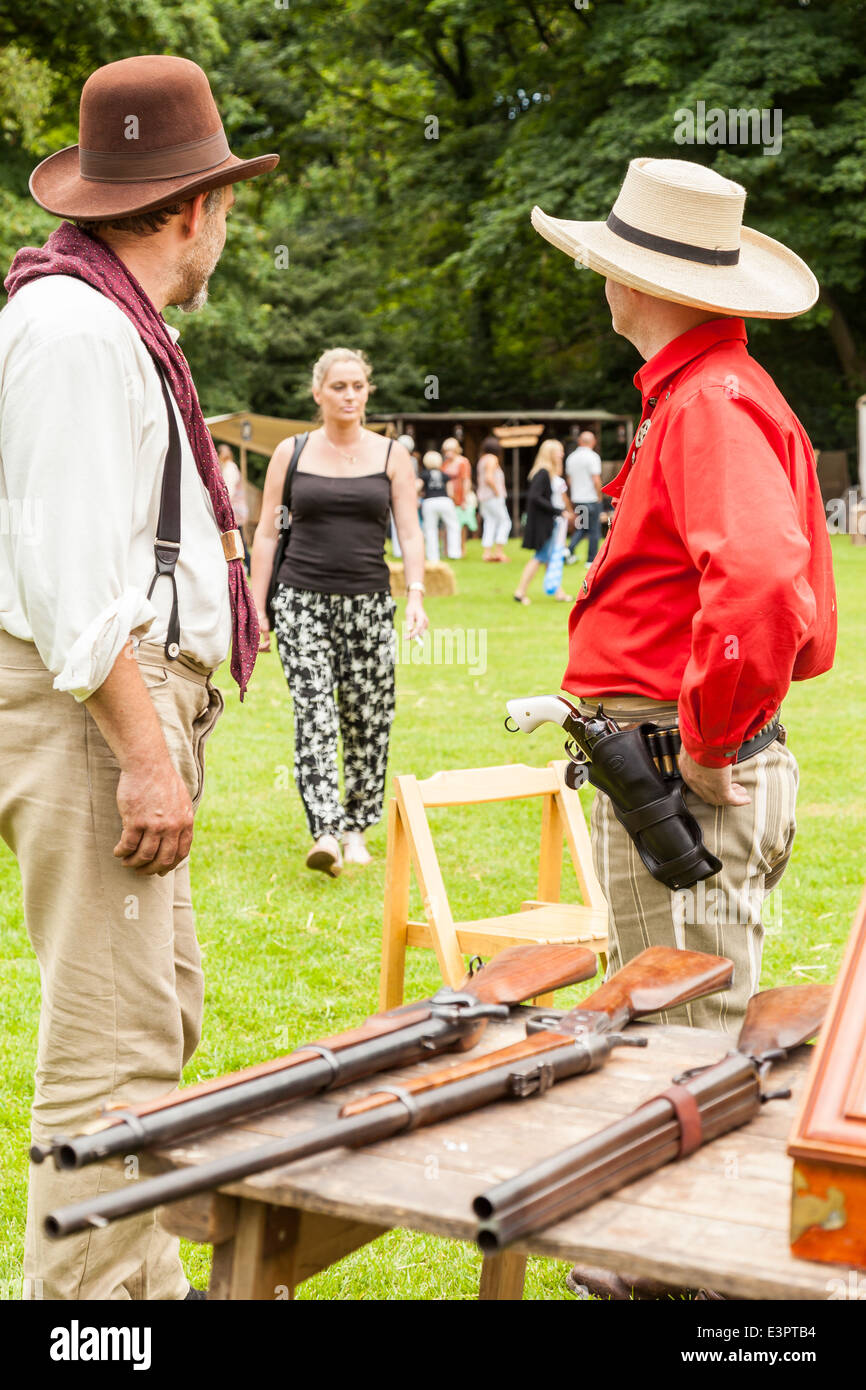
(543, 918)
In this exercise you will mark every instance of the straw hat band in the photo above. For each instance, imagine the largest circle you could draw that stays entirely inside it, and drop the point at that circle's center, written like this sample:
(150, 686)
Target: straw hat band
(676, 233)
(683, 249)
(144, 166)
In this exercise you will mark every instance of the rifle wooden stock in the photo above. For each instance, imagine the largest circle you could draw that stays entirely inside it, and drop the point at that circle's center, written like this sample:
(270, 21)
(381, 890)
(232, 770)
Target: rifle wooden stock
(386, 1040)
(728, 1094)
(659, 978)
(521, 972)
(779, 1019)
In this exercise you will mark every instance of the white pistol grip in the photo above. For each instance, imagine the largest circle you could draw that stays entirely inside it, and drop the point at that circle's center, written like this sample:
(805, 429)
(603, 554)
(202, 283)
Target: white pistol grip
(528, 713)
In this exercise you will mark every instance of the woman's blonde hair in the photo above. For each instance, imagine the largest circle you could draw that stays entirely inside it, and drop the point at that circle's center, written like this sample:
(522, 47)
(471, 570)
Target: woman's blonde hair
(450, 446)
(340, 354)
(432, 459)
(546, 458)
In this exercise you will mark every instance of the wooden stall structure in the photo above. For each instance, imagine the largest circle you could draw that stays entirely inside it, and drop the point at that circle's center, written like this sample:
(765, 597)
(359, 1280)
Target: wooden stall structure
(828, 1143)
(429, 428)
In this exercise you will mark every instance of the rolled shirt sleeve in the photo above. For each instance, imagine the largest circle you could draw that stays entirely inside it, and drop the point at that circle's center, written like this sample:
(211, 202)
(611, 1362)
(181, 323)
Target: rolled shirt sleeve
(735, 510)
(69, 437)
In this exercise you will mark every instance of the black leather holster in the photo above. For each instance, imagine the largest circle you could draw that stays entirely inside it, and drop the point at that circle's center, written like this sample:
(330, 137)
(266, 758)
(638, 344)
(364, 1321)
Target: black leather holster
(651, 808)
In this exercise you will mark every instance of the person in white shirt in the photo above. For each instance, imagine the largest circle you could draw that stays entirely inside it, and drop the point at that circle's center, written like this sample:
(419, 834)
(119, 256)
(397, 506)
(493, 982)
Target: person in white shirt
(116, 605)
(583, 470)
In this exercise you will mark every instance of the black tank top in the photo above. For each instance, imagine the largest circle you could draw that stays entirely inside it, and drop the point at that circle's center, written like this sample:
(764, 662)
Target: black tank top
(337, 541)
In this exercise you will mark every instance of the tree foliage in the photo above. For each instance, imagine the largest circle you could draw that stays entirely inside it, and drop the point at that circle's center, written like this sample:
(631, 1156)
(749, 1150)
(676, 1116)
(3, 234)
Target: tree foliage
(414, 139)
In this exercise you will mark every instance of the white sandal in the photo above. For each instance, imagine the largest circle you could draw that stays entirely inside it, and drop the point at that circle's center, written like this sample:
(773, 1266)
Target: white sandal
(354, 849)
(325, 855)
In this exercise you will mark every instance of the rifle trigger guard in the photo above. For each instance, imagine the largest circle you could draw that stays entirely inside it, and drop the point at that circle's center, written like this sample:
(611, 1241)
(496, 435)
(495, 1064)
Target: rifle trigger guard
(327, 1056)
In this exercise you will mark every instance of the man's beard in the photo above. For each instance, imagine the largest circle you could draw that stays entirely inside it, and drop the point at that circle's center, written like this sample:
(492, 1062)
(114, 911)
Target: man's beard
(194, 272)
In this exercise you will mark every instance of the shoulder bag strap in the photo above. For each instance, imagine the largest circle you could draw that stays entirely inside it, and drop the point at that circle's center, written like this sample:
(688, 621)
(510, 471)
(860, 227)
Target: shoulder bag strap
(300, 444)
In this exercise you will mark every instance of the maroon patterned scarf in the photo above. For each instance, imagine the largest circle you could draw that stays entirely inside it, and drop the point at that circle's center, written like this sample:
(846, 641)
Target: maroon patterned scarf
(69, 251)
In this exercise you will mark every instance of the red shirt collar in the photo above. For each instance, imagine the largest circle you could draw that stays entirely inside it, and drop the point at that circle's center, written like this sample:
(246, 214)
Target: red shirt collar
(689, 345)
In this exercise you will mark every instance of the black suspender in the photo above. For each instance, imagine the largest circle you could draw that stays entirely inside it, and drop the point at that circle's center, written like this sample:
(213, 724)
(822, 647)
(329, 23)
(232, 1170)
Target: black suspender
(166, 547)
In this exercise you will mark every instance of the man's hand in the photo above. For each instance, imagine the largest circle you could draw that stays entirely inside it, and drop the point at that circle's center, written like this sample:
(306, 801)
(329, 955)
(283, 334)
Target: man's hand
(153, 801)
(712, 784)
(157, 816)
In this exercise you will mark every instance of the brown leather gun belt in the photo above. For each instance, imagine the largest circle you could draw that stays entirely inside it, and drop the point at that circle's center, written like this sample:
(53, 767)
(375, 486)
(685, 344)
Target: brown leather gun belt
(665, 745)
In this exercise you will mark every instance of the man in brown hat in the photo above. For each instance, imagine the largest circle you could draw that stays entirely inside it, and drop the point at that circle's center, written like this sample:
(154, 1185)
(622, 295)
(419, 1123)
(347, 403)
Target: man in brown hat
(714, 587)
(112, 619)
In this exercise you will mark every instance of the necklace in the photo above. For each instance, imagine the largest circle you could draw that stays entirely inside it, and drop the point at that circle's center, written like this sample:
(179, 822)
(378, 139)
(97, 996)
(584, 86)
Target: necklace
(350, 458)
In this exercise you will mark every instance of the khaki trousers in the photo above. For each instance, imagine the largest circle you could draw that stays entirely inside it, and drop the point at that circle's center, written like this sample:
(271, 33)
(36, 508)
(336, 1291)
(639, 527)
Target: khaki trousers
(122, 986)
(723, 914)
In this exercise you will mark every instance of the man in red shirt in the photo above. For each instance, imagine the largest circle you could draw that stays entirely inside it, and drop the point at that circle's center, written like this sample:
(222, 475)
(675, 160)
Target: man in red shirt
(714, 588)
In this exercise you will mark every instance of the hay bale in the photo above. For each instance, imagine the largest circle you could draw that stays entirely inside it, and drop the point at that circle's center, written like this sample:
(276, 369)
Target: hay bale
(438, 579)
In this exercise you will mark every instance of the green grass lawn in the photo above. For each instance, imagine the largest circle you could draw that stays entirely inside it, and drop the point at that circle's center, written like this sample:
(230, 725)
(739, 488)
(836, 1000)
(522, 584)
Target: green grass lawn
(290, 955)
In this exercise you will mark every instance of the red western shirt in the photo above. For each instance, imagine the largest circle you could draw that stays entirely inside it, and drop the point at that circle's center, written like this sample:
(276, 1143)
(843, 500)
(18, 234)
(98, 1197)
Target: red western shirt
(714, 587)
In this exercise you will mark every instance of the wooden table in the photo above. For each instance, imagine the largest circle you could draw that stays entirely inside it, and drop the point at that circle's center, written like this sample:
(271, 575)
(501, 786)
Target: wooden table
(719, 1219)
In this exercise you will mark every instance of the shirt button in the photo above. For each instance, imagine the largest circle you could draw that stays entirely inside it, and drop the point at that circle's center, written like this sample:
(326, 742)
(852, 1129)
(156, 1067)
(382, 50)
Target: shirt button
(584, 587)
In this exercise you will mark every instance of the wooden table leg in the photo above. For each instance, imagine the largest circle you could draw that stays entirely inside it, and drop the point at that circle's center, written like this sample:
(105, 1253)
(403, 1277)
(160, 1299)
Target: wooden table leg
(502, 1276)
(260, 1259)
(273, 1249)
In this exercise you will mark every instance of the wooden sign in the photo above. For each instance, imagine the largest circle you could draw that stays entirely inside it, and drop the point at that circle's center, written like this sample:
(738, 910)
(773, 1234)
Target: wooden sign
(518, 436)
(828, 1144)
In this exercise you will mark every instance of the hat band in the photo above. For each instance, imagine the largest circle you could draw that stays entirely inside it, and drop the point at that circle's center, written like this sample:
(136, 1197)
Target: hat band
(682, 249)
(150, 166)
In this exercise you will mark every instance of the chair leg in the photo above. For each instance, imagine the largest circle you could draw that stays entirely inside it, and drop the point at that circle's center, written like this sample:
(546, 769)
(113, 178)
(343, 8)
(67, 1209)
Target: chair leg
(396, 911)
(544, 1001)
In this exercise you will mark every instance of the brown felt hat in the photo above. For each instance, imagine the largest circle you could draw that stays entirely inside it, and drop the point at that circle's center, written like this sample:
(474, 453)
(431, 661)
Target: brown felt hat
(150, 134)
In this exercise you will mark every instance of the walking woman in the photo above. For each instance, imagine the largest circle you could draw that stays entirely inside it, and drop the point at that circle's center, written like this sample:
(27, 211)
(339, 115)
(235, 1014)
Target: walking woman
(333, 607)
(491, 501)
(437, 505)
(542, 514)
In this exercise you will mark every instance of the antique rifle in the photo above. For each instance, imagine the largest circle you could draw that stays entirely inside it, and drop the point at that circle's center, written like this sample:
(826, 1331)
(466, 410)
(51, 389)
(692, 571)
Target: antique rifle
(556, 1047)
(452, 1019)
(701, 1104)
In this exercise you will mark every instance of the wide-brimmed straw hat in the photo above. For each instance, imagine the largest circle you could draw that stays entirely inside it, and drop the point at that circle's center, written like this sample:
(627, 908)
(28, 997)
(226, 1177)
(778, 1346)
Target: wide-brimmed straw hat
(676, 232)
(150, 134)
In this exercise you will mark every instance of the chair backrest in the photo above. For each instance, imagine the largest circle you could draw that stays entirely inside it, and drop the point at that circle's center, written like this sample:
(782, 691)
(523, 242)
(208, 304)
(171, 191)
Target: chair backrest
(472, 786)
(410, 841)
(562, 817)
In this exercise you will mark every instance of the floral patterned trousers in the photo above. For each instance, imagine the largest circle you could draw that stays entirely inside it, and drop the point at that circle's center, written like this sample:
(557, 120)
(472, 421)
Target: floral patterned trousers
(339, 645)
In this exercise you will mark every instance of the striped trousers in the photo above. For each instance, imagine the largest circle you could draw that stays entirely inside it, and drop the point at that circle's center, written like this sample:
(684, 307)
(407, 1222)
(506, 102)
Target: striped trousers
(725, 915)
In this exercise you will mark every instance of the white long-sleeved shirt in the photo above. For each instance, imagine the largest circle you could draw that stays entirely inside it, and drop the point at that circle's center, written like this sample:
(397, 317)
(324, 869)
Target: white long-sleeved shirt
(83, 439)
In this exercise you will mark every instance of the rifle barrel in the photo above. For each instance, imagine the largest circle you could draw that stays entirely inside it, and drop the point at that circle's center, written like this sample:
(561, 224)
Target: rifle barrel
(728, 1095)
(393, 1039)
(259, 1093)
(517, 1077)
(187, 1182)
